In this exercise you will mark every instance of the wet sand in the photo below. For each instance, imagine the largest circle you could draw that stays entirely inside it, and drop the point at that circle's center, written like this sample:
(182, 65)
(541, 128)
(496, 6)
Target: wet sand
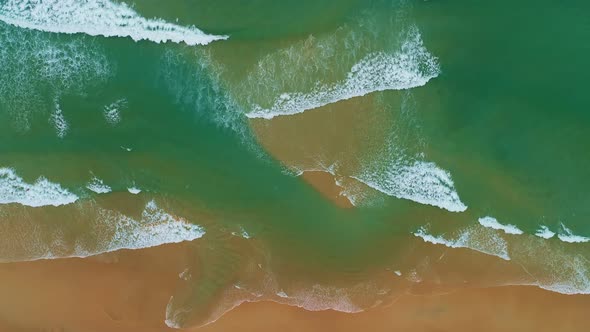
(129, 290)
(120, 291)
(515, 308)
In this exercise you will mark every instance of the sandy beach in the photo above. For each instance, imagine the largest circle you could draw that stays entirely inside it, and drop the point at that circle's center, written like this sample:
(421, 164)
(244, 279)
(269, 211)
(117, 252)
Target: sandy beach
(129, 290)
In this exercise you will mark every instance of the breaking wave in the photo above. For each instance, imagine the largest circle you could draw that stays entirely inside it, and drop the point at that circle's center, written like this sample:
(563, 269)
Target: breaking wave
(410, 66)
(491, 222)
(474, 238)
(33, 238)
(421, 182)
(13, 189)
(97, 18)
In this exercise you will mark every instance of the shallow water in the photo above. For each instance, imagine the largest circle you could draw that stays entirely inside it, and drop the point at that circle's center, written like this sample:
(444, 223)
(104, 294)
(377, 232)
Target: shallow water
(448, 134)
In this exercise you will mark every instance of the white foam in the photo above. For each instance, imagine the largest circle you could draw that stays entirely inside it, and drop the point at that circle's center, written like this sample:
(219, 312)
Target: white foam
(97, 18)
(544, 232)
(13, 189)
(320, 298)
(156, 227)
(242, 233)
(398, 273)
(491, 222)
(98, 186)
(112, 112)
(134, 190)
(421, 182)
(59, 121)
(37, 69)
(411, 66)
(568, 236)
(573, 276)
(477, 239)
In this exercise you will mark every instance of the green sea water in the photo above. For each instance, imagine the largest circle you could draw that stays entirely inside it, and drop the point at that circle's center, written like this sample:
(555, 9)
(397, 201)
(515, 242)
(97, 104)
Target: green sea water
(470, 133)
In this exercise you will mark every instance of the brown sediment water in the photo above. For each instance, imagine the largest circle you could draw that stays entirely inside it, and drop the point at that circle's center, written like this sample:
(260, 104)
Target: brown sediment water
(327, 185)
(331, 139)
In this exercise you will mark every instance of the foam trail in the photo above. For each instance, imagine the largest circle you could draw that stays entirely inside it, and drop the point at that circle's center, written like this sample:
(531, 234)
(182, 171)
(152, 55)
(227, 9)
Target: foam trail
(59, 121)
(112, 112)
(491, 222)
(544, 232)
(411, 66)
(568, 236)
(421, 182)
(37, 69)
(97, 18)
(98, 186)
(13, 189)
(470, 238)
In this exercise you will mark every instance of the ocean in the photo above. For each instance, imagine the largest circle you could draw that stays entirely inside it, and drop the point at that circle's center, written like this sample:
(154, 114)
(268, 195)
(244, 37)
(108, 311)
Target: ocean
(320, 154)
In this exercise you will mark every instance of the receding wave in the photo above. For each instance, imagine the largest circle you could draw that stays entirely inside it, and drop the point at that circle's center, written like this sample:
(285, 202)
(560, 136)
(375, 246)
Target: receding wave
(100, 230)
(155, 227)
(97, 18)
(478, 239)
(546, 264)
(410, 66)
(13, 189)
(421, 182)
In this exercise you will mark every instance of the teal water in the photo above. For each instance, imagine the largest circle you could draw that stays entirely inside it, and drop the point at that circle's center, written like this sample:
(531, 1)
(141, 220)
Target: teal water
(430, 115)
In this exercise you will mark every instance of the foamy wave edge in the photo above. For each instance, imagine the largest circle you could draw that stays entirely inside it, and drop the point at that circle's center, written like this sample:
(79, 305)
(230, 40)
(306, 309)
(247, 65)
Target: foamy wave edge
(491, 222)
(98, 18)
(116, 231)
(13, 189)
(489, 244)
(410, 67)
(420, 182)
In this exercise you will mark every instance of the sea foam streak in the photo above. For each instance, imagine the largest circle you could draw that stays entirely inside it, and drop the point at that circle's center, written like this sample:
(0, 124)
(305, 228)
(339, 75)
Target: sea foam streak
(59, 121)
(13, 189)
(477, 239)
(37, 69)
(411, 66)
(421, 182)
(491, 222)
(97, 18)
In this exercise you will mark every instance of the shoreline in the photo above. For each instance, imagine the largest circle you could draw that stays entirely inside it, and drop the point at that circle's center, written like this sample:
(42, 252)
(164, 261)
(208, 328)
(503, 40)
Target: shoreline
(128, 291)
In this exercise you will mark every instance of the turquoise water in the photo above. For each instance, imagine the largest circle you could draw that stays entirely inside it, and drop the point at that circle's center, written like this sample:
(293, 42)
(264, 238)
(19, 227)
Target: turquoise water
(443, 127)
